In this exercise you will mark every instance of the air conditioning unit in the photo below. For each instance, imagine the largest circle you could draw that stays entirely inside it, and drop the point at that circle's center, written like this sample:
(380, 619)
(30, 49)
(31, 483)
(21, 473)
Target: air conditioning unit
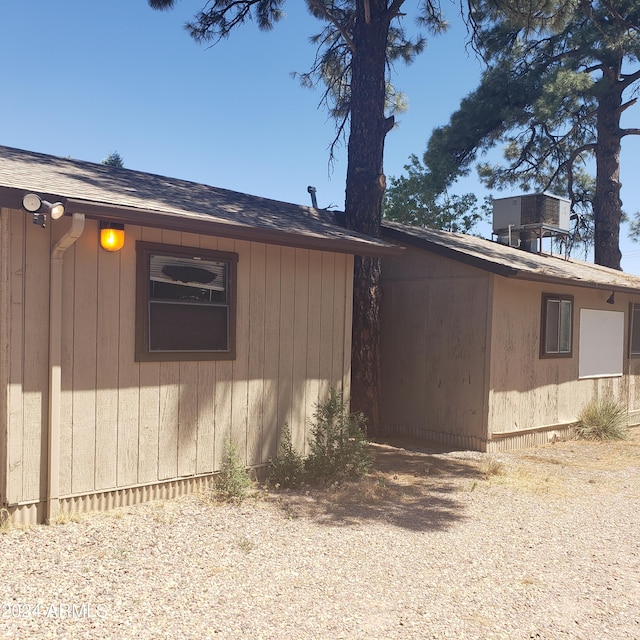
(535, 208)
(510, 215)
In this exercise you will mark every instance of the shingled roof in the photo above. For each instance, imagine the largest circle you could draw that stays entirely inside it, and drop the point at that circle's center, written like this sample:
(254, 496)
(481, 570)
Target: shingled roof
(123, 195)
(511, 262)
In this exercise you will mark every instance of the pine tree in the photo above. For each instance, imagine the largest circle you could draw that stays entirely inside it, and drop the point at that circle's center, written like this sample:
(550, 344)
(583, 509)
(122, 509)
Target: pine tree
(411, 200)
(114, 159)
(359, 40)
(560, 76)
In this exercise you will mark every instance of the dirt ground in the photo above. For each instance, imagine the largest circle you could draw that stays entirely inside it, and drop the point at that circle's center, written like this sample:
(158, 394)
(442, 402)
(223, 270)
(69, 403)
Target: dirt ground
(534, 544)
(409, 472)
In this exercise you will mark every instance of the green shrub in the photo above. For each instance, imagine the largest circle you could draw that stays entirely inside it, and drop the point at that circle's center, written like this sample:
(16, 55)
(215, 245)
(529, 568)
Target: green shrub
(286, 471)
(233, 481)
(339, 447)
(602, 420)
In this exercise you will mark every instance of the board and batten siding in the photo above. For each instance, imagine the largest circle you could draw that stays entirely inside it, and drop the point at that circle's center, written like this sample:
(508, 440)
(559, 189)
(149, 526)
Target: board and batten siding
(435, 316)
(25, 312)
(5, 315)
(461, 358)
(530, 392)
(136, 424)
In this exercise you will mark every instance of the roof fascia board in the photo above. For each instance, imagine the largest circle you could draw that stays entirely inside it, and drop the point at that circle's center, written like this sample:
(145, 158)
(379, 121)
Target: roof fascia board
(499, 269)
(447, 252)
(205, 226)
(569, 282)
(11, 197)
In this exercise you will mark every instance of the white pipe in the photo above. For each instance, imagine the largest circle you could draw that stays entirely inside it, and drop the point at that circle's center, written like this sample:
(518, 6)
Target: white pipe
(55, 360)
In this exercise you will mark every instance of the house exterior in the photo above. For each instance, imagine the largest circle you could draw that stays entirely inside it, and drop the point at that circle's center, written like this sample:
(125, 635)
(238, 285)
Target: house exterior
(490, 347)
(123, 373)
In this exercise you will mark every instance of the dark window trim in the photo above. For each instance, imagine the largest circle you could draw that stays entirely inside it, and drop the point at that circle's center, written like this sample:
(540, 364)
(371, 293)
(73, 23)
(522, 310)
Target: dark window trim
(543, 326)
(634, 307)
(143, 252)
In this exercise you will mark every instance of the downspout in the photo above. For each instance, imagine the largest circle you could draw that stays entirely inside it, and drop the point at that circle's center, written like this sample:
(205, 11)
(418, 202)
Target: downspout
(55, 360)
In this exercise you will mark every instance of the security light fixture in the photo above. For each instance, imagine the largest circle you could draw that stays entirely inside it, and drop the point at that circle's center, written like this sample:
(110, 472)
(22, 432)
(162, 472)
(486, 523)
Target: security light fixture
(33, 203)
(612, 298)
(111, 236)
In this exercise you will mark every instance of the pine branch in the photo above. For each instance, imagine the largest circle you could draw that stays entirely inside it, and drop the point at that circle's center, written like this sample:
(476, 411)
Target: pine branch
(626, 105)
(622, 21)
(321, 8)
(629, 78)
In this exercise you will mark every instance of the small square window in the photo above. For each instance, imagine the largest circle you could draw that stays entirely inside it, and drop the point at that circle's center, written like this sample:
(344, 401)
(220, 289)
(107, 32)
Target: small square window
(557, 323)
(186, 303)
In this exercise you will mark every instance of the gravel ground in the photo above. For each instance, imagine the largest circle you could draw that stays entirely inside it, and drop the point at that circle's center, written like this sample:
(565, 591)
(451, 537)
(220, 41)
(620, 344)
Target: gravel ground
(542, 543)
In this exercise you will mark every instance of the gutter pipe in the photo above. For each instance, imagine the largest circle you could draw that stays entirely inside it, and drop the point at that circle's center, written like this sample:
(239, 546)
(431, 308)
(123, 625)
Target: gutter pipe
(55, 364)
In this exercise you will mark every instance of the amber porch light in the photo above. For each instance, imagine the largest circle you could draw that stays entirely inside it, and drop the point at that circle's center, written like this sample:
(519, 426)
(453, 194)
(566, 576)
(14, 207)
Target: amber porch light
(111, 236)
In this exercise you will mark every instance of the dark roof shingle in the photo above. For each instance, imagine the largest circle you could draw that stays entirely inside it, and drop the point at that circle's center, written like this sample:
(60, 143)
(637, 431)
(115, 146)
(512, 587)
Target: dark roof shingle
(107, 192)
(509, 261)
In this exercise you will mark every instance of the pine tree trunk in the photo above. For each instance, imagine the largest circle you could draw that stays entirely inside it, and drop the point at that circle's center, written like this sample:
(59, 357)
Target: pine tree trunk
(607, 205)
(363, 203)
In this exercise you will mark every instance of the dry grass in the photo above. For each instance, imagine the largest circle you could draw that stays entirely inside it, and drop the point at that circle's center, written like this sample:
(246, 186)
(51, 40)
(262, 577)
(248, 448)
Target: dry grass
(415, 483)
(408, 479)
(530, 479)
(5, 521)
(162, 515)
(66, 518)
(492, 467)
(411, 488)
(584, 455)
(441, 544)
(573, 467)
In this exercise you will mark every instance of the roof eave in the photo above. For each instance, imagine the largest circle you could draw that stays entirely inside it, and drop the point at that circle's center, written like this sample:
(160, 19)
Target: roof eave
(501, 269)
(572, 282)
(11, 198)
(447, 252)
(204, 225)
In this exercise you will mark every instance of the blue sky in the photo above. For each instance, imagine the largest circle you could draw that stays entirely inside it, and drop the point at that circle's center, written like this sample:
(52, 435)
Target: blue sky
(83, 79)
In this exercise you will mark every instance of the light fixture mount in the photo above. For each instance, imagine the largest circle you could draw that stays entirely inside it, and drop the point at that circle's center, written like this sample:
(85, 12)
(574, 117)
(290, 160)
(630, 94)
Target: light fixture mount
(111, 236)
(33, 203)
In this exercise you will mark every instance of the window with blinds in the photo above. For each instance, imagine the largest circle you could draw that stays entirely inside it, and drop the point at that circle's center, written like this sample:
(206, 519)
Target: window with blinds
(186, 303)
(557, 326)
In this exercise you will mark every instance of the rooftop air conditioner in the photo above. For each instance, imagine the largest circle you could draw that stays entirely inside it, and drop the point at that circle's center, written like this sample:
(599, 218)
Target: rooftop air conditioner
(535, 208)
(510, 215)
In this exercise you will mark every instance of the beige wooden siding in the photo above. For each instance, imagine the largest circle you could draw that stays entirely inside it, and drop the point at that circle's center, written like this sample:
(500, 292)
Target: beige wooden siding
(528, 391)
(126, 423)
(5, 351)
(67, 368)
(148, 459)
(434, 332)
(26, 374)
(127, 444)
(107, 359)
(285, 336)
(85, 365)
(271, 370)
(461, 356)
